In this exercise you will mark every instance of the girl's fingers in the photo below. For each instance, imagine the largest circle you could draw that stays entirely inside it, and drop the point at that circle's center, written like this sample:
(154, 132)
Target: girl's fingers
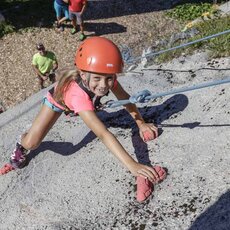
(150, 135)
(148, 132)
(149, 173)
(152, 173)
(155, 130)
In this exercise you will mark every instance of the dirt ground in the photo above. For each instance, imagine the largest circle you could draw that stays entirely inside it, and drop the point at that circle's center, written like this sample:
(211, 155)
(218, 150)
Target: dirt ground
(134, 26)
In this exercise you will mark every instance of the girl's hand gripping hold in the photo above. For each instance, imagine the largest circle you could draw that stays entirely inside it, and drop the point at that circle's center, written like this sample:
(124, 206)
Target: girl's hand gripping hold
(144, 171)
(148, 131)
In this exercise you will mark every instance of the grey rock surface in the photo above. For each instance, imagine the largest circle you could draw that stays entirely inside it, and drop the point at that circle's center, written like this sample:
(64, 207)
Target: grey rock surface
(225, 8)
(73, 182)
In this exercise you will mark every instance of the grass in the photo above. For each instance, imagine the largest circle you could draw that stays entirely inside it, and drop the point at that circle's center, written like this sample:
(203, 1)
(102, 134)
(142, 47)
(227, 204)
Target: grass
(217, 47)
(189, 11)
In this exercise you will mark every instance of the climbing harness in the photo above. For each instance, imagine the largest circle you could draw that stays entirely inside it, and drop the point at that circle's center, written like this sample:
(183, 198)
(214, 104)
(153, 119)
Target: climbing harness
(145, 95)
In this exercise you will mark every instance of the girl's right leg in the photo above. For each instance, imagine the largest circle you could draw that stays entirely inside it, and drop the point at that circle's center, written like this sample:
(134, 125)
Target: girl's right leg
(43, 122)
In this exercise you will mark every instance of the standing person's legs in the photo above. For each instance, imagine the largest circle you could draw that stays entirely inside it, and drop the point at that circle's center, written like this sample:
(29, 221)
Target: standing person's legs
(57, 8)
(81, 24)
(41, 81)
(43, 122)
(72, 17)
(65, 12)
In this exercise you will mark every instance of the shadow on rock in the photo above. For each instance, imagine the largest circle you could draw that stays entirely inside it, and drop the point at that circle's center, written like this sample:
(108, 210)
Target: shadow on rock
(117, 8)
(63, 148)
(121, 119)
(104, 28)
(215, 217)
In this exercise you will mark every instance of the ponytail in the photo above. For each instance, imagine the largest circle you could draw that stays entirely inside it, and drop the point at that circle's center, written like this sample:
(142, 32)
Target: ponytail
(65, 77)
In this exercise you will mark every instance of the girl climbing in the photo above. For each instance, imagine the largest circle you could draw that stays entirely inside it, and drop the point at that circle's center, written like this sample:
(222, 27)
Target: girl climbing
(78, 91)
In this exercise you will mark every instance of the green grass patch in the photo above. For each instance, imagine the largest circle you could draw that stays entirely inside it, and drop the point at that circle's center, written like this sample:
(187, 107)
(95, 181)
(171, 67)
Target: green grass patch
(190, 11)
(6, 28)
(217, 47)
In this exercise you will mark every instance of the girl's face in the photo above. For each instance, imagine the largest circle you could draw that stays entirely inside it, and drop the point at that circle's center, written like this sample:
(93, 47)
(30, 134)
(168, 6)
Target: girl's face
(100, 84)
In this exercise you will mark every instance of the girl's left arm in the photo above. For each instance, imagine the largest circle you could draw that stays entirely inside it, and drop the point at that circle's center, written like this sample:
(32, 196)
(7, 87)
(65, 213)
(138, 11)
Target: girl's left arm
(147, 131)
(110, 141)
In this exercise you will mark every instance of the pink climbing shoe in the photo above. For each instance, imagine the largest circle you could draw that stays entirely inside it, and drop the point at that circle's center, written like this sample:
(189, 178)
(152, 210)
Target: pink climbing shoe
(18, 157)
(145, 187)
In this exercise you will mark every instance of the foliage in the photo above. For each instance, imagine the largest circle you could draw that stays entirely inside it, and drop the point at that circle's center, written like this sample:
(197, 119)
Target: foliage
(217, 47)
(190, 11)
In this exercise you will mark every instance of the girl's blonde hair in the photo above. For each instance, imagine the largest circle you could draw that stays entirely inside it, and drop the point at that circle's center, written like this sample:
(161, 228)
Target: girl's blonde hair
(64, 78)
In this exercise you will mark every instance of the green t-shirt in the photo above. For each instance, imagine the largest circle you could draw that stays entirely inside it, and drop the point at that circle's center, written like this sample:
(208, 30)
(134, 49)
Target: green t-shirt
(44, 63)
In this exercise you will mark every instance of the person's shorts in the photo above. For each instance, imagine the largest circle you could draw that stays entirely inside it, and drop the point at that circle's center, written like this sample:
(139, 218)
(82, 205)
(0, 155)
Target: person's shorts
(52, 106)
(61, 10)
(76, 15)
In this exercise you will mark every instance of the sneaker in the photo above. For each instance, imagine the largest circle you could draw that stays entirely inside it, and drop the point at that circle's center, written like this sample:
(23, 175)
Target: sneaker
(18, 158)
(73, 31)
(57, 25)
(82, 37)
(61, 28)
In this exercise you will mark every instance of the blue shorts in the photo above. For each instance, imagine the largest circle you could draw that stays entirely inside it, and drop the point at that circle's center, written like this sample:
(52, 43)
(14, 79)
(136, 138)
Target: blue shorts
(61, 9)
(52, 106)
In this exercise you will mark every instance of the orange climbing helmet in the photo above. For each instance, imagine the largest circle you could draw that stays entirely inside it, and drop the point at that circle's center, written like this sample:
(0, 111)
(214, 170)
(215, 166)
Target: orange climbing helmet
(99, 55)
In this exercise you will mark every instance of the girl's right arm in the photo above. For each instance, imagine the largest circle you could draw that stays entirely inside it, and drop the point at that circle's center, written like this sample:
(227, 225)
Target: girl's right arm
(94, 123)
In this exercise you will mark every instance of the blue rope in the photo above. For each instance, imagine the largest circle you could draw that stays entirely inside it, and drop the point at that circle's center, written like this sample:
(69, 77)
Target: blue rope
(146, 96)
(177, 47)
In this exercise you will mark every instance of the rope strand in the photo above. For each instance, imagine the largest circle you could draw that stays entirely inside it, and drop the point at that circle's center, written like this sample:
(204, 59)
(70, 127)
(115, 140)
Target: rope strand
(145, 95)
(176, 47)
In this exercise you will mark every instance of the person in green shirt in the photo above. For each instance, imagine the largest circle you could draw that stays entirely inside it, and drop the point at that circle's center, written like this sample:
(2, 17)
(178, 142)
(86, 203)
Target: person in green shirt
(44, 64)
